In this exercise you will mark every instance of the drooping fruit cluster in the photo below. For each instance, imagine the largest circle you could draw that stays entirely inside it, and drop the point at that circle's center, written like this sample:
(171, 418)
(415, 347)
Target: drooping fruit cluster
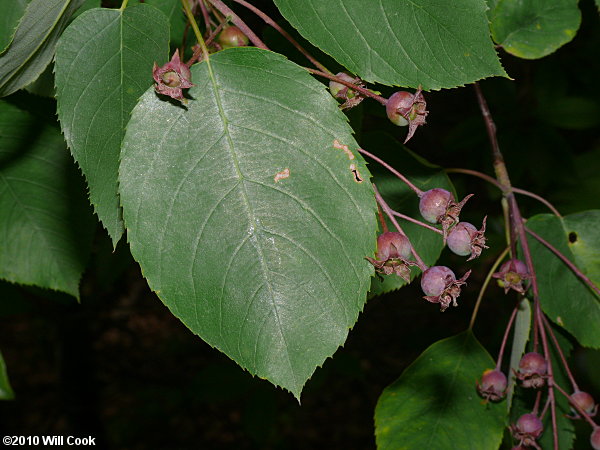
(533, 369)
(393, 253)
(439, 284)
(527, 430)
(404, 108)
(492, 385)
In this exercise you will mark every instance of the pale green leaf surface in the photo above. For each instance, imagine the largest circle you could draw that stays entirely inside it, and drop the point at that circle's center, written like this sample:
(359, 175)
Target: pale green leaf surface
(434, 404)
(12, 11)
(245, 219)
(103, 64)
(6, 392)
(433, 43)
(45, 222)
(32, 47)
(522, 327)
(564, 298)
(583, 232)
(533, 29)
(401, 198)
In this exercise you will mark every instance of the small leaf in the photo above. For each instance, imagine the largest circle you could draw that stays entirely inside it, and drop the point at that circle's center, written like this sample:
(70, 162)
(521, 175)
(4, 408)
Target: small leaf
(534, 29)
(6, 392)
(34, 41)
(564, 298)
(12, 12)
(399, 42)
(248, 222)
(434, 404)
(584, 241)
(45, 223)
(401, 198)
(522, 328)
(103, 64)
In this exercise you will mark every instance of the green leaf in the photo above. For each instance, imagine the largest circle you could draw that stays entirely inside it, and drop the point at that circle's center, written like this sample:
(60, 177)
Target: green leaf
(522, 328)
(534, 29)
(247, 221)
(400, 42)
(103, 64)
(401, 198)
(584, 241)
(12, 11)
(434, 404)
(45, 222)
(564, 298)
(174, 11)
(34, 41)
(6, 392)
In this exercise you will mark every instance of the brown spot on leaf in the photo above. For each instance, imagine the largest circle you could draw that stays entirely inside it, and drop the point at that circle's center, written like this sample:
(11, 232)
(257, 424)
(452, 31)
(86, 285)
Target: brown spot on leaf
(356, 173)
(285, 173)
(347, 151)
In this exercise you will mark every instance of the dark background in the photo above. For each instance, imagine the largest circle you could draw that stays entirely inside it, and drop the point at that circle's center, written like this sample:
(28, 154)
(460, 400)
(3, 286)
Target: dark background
(121, 368)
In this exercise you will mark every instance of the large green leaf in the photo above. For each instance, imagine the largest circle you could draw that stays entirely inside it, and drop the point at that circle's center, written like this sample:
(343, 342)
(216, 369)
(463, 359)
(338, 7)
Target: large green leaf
(6, 392)
(32, 47)
(247, 221)
(174, 11)
(584, 241)
(533, 29)
(434, 404)
(565, 299)
(433, 43)
(45, 222)
(12, 11)
(401, 198)
(103, 64)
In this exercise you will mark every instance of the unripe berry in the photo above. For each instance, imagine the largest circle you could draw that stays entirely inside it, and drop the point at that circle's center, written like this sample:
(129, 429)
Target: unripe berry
(459, 238)
(433, 204)
(532, 370)
(393, 244)
(232, 36)
(595, 438)
(585, 401)
(399, 102)
(492, 385)
(436, 279)
(512, 274)
(335, 87)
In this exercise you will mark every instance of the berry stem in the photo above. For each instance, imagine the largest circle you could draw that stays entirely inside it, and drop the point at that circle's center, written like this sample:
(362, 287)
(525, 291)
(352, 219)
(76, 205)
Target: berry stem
(225, 10)
(415, 189)
(484, 286)
(560, 354)
(192, 20)
(205, 16)
(417, 222)
(123, 5)
(384, 227)
(388, 212)
(493, 181)
(505, 337)
(284, 33)
(363, 91)
(566, 260)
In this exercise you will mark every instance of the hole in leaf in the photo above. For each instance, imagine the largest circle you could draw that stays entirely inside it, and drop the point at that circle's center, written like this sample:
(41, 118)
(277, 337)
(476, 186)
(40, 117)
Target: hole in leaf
(572, 237)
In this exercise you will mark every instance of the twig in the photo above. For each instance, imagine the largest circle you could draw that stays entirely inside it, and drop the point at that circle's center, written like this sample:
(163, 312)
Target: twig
(225, 10)
(416, 190)
(417, 222)
(363, 91)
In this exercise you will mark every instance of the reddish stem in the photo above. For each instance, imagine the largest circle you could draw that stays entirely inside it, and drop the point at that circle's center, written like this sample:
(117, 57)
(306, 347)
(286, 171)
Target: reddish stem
(416, 190)
(585, 415)
(560, 353)
(384, 226)
(417, 222)
(505, 338)
(224, 9)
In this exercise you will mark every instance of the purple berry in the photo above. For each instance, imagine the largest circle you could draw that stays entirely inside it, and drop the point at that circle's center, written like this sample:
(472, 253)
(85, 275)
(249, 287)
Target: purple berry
(393, 244)
(436, 279)
(532, 370)
(585, 401)
(595, 438)
(336, 88)
(434, 204)
(528, 428)
(459, 238)
(232, 36)
(399, 103)
(492, 385)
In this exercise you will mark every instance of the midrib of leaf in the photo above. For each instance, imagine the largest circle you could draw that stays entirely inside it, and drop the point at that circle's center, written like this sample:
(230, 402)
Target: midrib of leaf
(41, 42)
(250, 215)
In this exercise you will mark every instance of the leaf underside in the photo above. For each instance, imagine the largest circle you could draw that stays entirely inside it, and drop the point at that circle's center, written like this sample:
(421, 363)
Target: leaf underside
(246, 220)
(432, 43)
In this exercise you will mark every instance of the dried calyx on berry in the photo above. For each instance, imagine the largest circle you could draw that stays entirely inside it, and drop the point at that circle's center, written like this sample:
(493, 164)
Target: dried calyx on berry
(493, 385)
(464, 239)
(527, 430)
(340, 91)
(232, 36)
(439, 206)
(512, 274)
(404, 108)
(586, 402)
(393, 253)
(439, 284)
(533, 369)
(172, 78)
